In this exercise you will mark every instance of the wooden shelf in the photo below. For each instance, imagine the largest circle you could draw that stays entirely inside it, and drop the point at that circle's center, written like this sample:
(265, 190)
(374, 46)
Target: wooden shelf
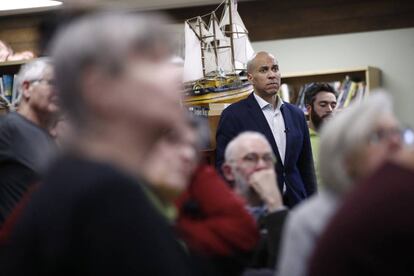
(13, 63)
(11, 67)
(371, 75)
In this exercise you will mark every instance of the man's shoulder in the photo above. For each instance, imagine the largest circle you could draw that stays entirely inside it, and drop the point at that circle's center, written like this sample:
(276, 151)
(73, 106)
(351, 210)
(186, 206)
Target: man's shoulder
(71, 183)
(16, 122)
(9, 125)
(292, 108)
(7, 120)
(11, 117)
(240, 105)
(83, 172)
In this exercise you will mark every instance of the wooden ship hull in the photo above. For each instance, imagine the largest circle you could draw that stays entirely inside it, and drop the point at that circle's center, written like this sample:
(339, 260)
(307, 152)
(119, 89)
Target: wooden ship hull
(228, 96)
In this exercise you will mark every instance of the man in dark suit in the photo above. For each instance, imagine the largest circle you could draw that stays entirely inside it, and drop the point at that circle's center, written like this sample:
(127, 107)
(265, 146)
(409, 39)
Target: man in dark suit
(283, 124)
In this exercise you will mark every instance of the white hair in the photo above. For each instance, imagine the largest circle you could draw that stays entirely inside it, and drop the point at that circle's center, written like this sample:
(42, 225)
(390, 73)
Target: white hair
(234, 144)
(31, 71)
(345, 135)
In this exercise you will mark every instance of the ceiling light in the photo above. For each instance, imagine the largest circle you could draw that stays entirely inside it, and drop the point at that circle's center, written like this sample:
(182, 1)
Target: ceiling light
(27, 6)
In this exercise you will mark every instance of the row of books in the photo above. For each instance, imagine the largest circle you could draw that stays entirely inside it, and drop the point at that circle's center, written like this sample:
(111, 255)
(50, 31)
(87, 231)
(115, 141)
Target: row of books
(9, 96)
(347, 91)
(351, 91)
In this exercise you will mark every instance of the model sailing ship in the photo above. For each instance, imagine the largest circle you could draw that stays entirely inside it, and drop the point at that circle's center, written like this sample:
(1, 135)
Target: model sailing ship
(216, 53)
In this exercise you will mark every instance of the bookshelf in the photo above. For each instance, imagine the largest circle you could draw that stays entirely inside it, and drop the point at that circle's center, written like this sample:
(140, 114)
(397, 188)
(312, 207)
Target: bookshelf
(371, 76)
(9, 68)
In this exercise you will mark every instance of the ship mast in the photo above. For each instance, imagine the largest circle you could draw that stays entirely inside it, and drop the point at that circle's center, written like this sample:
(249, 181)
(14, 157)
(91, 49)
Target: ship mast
(213, 21)
(199, 21)
(231, 33)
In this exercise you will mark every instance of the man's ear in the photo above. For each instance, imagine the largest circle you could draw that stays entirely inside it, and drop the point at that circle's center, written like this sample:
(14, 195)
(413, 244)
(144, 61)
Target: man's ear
(25, 90)
(309, 108)
(227, 172)
(250, 77)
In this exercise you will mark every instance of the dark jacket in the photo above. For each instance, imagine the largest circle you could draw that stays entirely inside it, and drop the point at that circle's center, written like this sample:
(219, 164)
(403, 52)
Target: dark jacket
(89, 218)
(297, 172)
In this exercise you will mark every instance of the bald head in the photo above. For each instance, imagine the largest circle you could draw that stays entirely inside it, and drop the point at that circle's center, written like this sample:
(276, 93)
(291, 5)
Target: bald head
(263, 73)
(252, 63)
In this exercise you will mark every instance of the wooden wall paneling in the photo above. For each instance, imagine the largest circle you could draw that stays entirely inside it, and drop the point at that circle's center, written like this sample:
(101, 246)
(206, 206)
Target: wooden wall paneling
(21, 32)
(271, 19)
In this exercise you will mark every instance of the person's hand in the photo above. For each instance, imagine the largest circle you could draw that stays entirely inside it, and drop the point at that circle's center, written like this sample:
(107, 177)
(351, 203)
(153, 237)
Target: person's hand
(265, 184)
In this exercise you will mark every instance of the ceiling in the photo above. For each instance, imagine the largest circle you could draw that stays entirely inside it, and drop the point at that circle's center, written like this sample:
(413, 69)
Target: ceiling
(139, 5)
(144, 4)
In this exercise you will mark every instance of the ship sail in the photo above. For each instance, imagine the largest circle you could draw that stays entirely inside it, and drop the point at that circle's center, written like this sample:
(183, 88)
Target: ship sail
(236, 19)
(243, 49)
(216, 47)
(193, 68)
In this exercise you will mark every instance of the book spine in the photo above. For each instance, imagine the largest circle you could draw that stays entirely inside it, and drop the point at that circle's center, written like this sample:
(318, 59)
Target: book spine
(8, 87)
(343, 91)
(351, 92)
(15, 91)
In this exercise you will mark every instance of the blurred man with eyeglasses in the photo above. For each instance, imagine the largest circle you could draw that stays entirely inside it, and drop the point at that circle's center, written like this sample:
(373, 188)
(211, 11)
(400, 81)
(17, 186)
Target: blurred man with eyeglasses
(25, 145)
(320, 101)
(249, 166)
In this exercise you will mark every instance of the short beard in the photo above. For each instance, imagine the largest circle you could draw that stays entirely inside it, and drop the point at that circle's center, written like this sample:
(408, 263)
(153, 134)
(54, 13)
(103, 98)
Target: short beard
(240, 185)
(317, 120)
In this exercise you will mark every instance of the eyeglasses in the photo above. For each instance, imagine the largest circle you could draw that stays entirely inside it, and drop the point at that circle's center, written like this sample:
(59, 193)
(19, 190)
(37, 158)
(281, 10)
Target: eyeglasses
(253, 158)
(384, 134)
(48, 82)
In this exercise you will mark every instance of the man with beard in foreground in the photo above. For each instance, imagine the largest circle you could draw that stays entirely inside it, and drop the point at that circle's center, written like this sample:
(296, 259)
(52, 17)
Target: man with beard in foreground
(320, 100)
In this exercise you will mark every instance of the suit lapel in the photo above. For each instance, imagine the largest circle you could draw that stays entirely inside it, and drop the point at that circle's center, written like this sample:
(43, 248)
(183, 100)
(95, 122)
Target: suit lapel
(259, 118)
(288, 123)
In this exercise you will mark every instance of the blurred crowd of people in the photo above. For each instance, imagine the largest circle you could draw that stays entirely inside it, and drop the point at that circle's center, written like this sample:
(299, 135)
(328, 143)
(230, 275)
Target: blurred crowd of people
(101, 171)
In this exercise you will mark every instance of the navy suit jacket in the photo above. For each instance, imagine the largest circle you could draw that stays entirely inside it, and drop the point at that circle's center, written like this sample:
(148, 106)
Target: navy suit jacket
(297, 172)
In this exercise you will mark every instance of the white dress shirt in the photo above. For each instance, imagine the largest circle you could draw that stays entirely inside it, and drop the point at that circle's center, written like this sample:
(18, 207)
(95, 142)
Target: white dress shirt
(275, 120)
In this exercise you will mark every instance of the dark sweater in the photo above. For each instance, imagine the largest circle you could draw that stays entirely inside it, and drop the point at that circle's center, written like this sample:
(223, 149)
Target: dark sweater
(89, 218)
(25, 150)
(373, 231)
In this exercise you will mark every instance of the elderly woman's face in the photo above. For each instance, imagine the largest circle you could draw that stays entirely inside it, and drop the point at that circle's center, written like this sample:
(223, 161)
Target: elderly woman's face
(173, 162)
(383, 143)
